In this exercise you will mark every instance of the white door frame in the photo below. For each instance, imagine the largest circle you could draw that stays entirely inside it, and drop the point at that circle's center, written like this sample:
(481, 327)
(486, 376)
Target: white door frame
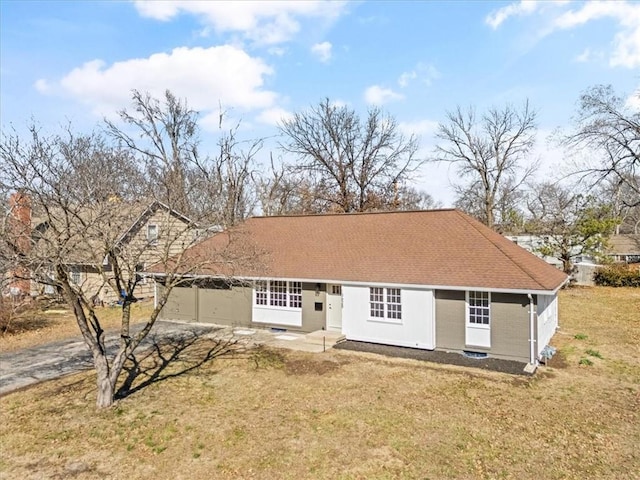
(334, 308)
(477, 335)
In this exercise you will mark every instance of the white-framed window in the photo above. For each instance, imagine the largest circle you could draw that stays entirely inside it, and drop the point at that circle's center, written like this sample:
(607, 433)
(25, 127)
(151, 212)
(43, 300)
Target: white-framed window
(295, 294)
(480, 308)
(278, 293)
(385, 303)
(336, 289)
(152, 233)
(261, 293)
(75, 276)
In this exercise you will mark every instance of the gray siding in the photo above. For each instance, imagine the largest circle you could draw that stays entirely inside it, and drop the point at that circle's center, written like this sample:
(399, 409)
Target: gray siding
(225, 304)
(509, 324)
(450, 313)
(313, 320)
(181, 304)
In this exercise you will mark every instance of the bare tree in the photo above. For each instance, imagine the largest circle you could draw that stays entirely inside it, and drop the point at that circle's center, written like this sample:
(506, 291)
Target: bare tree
(166, 136)
(84, 219)
(284, 191)
(167, 139)
(569, 222)
(350, 164)
(491, 151)
(607, 133)
(225, 183)
(623, 200)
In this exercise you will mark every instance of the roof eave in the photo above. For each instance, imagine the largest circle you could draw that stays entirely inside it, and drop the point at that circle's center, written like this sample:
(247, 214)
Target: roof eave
(524, 291)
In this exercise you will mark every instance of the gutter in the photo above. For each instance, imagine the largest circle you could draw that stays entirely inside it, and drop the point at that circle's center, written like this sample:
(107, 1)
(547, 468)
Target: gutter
(532, 340)
(462, 288)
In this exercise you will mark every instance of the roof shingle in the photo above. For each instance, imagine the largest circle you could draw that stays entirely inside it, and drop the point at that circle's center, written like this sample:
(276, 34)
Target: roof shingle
(435, 248)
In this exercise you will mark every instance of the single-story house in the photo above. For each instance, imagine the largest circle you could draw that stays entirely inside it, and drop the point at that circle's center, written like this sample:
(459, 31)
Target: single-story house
(434, 279)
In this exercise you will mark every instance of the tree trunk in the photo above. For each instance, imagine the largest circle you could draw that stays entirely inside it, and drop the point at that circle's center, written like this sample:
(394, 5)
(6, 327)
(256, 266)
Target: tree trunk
(567, 266)
(106, 387)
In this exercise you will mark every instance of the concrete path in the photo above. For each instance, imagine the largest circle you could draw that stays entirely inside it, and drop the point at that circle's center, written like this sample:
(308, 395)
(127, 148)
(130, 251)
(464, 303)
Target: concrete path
(45, 362)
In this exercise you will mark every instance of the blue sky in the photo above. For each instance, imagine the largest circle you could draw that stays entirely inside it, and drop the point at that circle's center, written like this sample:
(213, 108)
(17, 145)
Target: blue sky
(78, 61)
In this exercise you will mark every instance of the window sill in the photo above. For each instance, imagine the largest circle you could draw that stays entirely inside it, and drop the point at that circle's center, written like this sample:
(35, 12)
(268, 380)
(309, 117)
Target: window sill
(390, 321)
(274, 307)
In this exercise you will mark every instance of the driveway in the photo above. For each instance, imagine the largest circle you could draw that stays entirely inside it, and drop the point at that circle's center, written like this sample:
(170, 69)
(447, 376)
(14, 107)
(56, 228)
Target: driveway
(45, 362)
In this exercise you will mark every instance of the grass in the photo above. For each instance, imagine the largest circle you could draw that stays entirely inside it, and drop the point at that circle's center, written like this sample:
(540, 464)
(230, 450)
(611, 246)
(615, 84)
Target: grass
(42, 324)
(271, 414)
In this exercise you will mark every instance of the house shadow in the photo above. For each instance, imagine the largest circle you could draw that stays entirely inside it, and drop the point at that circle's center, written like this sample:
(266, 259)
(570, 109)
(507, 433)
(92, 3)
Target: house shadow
(173, 357)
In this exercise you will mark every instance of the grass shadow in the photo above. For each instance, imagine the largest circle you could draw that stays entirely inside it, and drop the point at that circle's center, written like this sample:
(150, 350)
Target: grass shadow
(173, 357)
(14, 326)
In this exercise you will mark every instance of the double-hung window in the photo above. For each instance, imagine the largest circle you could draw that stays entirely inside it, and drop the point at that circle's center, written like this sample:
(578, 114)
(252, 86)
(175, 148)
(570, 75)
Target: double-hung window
(278, 293)
(479, 308)
(385, 304)
(152, 234)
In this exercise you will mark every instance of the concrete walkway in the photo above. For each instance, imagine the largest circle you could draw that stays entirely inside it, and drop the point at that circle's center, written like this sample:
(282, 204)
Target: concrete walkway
(45, 362)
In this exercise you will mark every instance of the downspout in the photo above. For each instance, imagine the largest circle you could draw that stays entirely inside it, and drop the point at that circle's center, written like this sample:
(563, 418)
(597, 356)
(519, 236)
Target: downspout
(532, 341)
(155, 293)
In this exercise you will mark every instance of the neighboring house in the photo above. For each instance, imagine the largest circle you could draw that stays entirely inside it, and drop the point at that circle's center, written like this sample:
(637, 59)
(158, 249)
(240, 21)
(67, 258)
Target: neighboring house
(424, 279)
(583, 265)
(143, 238)
(532, 243)
(625, 248)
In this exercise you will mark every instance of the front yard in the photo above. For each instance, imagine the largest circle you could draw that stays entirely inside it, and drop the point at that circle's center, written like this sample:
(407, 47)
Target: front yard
(280, 414)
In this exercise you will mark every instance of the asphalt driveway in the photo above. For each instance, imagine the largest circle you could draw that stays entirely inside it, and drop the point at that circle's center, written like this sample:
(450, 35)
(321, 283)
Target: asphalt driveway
(45, 362)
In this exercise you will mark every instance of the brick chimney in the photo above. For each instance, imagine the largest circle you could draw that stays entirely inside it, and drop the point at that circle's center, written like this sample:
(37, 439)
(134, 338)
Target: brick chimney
(20, 229)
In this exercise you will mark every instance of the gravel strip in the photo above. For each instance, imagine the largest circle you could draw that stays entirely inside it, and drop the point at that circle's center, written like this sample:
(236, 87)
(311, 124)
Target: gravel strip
(435, 356)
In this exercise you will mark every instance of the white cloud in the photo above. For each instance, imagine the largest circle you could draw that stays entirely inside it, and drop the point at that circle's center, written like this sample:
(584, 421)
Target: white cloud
(425, 73)
(204, 76)
(377, 95)
(406, 78)
(626, 42)
(265, 22)
(522, 8)
(421, 127)
(585, 56)
(633, 102)
(322, 51)
(42, 86)
(274, 116)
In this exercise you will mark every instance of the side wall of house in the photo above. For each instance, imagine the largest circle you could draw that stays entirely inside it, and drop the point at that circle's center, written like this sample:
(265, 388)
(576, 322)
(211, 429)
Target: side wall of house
(509, 324)
(547, 320)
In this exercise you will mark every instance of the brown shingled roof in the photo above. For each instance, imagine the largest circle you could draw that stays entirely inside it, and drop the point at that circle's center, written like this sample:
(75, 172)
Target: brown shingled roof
(435, 248)
(625, 244)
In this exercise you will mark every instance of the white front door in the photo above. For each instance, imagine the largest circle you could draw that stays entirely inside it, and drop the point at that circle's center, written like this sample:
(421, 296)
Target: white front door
(334, 307)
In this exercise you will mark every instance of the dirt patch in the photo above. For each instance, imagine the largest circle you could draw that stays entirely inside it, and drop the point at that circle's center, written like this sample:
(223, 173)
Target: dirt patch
(310, 366)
